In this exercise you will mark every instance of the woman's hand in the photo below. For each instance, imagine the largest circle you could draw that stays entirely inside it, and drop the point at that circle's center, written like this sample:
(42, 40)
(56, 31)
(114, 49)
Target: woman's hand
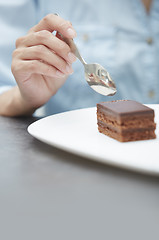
(42, 61)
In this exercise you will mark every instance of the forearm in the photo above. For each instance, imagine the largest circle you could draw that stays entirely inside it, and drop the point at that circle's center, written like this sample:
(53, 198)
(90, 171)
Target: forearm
(12, 104)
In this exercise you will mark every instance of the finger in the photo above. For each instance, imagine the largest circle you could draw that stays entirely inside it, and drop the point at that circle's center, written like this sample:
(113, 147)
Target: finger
(27, 68)
(42, 53)
(52, 22)
(47, 39)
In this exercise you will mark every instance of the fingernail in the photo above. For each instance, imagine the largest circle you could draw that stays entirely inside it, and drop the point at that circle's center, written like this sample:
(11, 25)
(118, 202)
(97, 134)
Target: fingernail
(71, 32)
(69, 69)
(71, 57)
(59, 74)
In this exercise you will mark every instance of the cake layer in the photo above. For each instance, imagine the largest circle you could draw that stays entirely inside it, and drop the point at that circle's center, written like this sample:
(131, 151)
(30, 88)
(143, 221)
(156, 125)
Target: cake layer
(133, 136)
(130, 123)
(124, 130)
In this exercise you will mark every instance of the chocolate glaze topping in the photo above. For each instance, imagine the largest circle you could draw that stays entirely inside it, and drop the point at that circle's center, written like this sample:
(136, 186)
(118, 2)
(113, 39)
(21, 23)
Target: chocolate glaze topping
(125, 107)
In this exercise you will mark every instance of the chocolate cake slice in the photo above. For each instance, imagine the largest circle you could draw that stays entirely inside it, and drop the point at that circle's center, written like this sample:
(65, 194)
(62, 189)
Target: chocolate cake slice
(126, 120)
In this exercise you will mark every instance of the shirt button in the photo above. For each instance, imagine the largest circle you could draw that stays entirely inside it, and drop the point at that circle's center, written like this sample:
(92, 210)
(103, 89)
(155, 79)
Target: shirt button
(149, 40)
(151, 93)
(85, 37)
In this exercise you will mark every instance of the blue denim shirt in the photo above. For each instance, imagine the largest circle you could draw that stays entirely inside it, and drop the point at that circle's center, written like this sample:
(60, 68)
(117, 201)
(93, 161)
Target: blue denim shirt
(118, 34)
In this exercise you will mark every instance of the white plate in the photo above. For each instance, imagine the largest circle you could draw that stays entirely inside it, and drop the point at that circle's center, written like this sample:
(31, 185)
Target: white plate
(76, 131)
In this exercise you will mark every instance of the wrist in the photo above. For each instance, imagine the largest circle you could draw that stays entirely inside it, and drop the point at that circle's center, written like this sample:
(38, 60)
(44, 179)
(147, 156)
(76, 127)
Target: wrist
(21, 105)
(13, 104)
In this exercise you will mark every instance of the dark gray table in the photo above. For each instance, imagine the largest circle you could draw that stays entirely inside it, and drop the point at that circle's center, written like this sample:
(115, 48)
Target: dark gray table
(46, 193)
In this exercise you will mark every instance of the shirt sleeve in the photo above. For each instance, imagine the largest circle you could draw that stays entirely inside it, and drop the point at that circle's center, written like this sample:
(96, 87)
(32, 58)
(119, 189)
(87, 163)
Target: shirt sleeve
(4, 89)
(16, 18)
